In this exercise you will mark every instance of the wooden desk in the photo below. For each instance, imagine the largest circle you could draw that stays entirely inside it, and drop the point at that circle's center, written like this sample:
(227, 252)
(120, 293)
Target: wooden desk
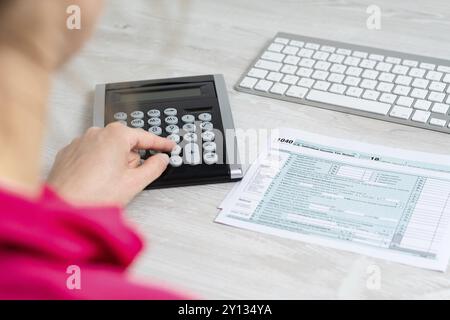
(143, 39)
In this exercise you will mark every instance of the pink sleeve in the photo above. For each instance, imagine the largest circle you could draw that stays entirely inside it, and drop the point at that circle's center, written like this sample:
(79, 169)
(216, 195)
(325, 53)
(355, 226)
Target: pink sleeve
(40, 239)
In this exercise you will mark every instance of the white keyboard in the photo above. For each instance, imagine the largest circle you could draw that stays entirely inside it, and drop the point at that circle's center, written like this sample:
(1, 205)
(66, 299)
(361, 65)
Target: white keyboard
(381, 84)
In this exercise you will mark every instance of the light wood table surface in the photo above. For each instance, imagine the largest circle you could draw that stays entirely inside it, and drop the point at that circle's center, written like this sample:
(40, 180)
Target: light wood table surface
(141, 39)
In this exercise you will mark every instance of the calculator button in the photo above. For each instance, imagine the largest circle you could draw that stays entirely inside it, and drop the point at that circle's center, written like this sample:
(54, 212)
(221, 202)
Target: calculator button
(205, 117)
(122, 122)
(206, 126)
(210, 158)
(155, 130)
(188, 118)
(154, 122)
(189, 127)
(172, 129)
(192, 154)
(209, 146)
(137, 115)
(176, 161)
(171, 120)
(120, 116)
(174, 137)
(190, 137)
(208, 136)
(154, 113)
(137, 123)
(176, 151)
(170, 112)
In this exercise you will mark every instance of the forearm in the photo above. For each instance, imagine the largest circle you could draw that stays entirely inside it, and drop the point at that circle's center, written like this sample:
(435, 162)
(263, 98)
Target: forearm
(24, 88)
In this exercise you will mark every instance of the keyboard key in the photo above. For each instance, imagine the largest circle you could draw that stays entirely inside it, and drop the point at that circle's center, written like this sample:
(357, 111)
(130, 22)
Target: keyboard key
(306, 53)
(155, 130)
(188, 118)
(281, 40)
(336, 77)
(385, 87)
(360, 54)
(137, 115)
(383, 67)
(294, 60)
(401, 112)
(348, 102)
(210, 158)
(296, 92)
(320, 75)
(371, 95)
(258, 73)
(437, 86)
(405, 101)
(410, 63)
(352, 81)
(419, 93)
(352, 61)
(305, 72)
(386, 77)
(322, 65)
(268, 65)
(402, 90)
(170, 112)
(388, 98)
(322, 85)
(176, 161)
(290, 50)
(290, 79)
(279, 88)
(273, 56)
(336, 58)
(205, 117)
(338, 88)
(189, 127)
(190, 137)
(275, 76)
(137, 123)
(440, 108)
(206, 126)
(248, 82)
(398, 69)
(345, 52)
(446, 78)
(120, 116)
(438, 122)
(421, 116)
(328, 49)
(320, 55)
(306, 82)
(422, 105)
(354, 71)
(428, 66)
(275, 47)
(436, 97)
(376, 57)
(191, 154)
(209, 146)
(417, 73)
(289, 69)
(393, 60)
(434, 75)
(443, 69)
(154, 113)
(367, 64)
(338, 68)
(296, 43)
(172, 129)
(154, 122)
(354, 92)
(313, 46)
(263, 85)
(370, 74)
(208, 136)
(368, 84)
(403, 80)
(306, 62)
(171, 120)
(420, 83)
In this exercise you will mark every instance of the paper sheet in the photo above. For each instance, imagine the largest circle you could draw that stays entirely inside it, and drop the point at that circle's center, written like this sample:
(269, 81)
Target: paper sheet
(386, 203)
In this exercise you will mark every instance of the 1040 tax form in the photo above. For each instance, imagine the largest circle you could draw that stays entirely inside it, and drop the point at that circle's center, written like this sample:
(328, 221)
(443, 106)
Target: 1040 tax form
(386, 203)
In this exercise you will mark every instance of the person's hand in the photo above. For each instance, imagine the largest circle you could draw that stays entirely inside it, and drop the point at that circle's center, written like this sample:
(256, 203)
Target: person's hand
(102, 167)
(38, 30)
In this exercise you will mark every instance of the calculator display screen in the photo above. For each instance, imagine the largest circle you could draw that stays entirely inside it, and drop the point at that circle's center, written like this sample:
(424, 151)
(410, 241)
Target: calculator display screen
(157, 95)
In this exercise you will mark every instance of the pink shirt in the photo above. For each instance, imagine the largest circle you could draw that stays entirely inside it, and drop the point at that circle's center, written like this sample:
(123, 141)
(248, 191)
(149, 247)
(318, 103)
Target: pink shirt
(40, 239)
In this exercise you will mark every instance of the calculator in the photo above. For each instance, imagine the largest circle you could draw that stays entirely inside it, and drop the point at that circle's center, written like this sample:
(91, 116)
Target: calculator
(192, 111)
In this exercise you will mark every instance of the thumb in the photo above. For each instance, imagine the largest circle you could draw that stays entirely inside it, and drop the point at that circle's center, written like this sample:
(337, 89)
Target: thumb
(150, 170)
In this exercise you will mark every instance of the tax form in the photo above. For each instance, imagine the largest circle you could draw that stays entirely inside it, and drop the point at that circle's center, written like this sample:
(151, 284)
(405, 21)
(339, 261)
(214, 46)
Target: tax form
(386, 203)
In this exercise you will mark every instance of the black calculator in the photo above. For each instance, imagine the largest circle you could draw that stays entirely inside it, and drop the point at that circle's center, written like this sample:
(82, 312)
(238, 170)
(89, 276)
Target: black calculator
(192, 111)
